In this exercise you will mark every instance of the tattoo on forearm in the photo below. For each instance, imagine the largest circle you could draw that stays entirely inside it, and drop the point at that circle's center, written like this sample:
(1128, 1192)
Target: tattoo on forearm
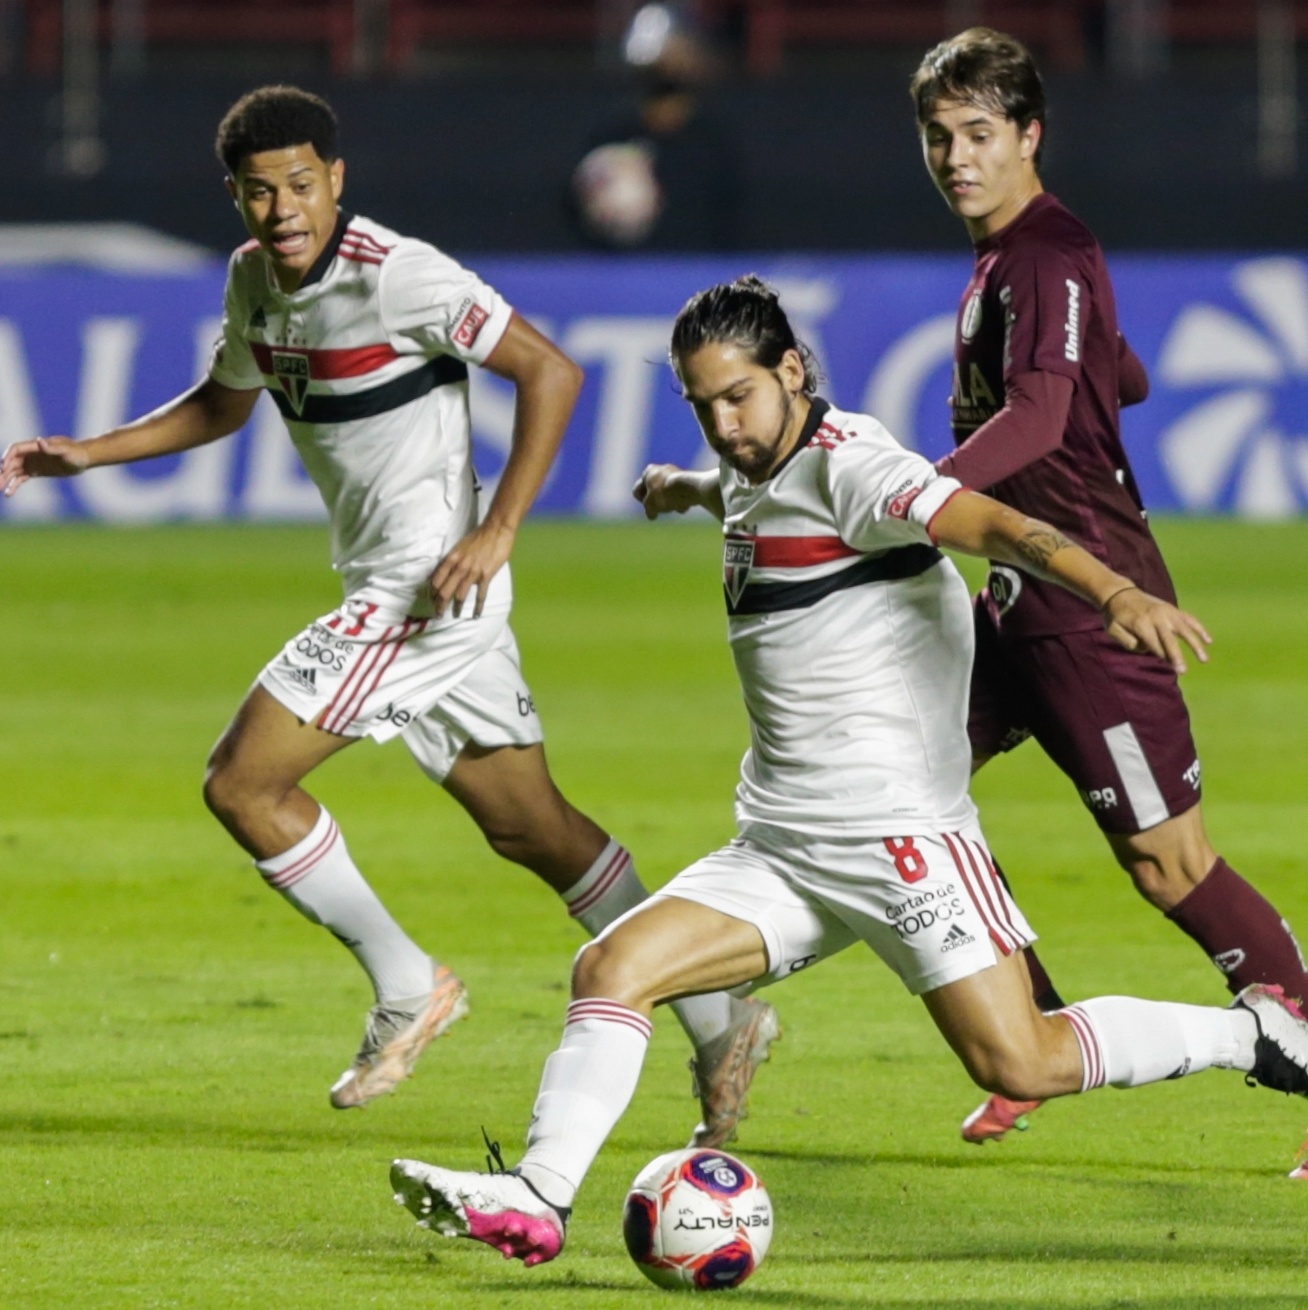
(1039, 544)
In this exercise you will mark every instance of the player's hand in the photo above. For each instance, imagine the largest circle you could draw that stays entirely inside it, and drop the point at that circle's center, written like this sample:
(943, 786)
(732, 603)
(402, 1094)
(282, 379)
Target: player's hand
(1142, 622)
(469, 567)
(661, 491)
(46, 457)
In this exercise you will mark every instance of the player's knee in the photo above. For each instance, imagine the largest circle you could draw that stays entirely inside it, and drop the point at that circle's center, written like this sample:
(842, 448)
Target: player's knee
(538, 837)
(600, 969)
(592, 969)
(227, 791)
(1163, 881)
(220, 795)
(511, 842)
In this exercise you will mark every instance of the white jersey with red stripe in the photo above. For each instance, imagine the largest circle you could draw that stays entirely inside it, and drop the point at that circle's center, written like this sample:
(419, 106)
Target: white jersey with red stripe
(852, 637)
(367, 361)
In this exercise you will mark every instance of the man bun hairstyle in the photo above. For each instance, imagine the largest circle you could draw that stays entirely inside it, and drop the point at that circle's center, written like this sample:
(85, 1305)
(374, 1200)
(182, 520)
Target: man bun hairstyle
(745, 313)
(274, 118)
(985, 68)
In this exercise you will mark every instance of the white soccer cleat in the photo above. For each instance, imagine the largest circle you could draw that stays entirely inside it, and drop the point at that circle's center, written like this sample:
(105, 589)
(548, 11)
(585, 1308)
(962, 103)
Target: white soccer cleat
(394, 1039)
(500, 1209)
(723, 1070)
(1281, 1051)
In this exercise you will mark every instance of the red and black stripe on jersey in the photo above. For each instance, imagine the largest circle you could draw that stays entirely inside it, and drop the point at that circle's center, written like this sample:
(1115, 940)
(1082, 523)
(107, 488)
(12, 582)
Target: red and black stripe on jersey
(439, 371)
(329, 365)
(771, 597)
(806, 552)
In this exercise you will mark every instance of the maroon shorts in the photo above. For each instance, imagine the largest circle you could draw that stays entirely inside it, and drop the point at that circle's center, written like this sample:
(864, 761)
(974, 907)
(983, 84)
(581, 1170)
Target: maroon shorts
(1113, 721)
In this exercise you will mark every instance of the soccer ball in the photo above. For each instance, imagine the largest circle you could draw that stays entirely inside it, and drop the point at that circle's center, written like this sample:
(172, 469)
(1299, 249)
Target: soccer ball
(698, 1219)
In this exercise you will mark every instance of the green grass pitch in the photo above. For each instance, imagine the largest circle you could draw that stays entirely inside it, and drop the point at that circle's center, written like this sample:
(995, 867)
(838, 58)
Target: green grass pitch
(169, 1028)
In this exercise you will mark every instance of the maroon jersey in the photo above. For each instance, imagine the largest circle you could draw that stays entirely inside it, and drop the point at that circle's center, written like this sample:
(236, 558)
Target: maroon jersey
(1040, 300)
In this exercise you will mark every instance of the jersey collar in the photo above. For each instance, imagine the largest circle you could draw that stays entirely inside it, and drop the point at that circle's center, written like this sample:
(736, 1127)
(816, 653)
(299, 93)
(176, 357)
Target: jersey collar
(318, 269)
(1036, 205)
(817, 411)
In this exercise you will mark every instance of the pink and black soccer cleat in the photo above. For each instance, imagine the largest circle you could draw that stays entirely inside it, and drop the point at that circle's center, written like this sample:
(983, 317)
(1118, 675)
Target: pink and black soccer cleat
(500, 1209)
(1281, 1050)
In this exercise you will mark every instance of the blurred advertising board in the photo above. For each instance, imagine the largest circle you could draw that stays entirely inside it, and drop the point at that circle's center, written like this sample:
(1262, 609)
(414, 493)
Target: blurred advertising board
(1225, 340)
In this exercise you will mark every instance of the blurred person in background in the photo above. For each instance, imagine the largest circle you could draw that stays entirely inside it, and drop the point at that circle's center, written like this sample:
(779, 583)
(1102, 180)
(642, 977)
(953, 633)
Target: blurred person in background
(664, 176)
(1040, 374)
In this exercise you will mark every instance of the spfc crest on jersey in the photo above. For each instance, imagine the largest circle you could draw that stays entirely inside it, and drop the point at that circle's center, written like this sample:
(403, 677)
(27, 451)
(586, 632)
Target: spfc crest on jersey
(291, 369)
(737, 560)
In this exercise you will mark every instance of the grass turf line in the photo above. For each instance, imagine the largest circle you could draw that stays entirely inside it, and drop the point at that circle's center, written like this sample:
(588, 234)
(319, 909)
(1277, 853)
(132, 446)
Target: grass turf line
(169, 1028)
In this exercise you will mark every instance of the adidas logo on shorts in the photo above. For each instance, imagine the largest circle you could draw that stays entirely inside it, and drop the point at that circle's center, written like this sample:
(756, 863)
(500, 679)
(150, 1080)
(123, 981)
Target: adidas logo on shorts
(307, 678)
(955, 938)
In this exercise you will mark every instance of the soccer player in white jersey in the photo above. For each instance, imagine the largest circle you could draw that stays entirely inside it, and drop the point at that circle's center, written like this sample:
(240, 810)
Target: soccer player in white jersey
(852, 637)
(363, 338)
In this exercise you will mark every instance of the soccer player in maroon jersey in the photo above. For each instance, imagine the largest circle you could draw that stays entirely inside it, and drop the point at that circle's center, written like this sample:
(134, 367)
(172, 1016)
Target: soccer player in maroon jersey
(1040, 374)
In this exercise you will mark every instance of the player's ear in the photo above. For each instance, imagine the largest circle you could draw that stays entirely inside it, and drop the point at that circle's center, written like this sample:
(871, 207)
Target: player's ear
(230, 183)
(792, 372)
(337, 170)
(1029, 138)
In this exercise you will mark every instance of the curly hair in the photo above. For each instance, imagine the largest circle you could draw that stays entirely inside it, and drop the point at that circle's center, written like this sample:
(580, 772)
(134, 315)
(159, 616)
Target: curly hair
(273, 118)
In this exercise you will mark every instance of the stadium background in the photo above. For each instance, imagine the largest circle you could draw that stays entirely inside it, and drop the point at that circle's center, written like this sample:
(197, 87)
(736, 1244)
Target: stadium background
(167, 1029)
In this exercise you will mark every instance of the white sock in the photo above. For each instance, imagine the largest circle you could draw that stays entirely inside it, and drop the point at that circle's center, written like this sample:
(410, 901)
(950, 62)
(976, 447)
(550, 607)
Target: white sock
(1127, 1042)
(585, 1087)
(318, 877)
(601, 896)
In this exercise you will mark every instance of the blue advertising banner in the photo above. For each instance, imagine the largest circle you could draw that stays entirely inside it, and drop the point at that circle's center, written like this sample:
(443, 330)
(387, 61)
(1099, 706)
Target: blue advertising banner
(1225, 340)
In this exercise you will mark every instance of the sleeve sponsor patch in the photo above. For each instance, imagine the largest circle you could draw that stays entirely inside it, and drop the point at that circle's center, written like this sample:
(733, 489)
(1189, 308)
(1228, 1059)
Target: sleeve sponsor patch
(469, 326)
(902, 501)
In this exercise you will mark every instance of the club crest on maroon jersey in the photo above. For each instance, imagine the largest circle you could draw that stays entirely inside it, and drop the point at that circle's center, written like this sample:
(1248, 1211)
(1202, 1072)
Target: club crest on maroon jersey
(737, 560)
(291, 369)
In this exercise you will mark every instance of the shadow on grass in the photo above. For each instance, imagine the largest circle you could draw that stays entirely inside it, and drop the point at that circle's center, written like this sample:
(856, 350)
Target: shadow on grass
(156, 1129)
(1090, 1168)
(580, 1287)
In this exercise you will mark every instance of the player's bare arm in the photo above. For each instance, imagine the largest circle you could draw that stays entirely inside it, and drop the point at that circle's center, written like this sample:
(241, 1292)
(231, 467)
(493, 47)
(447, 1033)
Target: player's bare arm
(203, 414)
(977, 525)
(667, 489)
(547, 384)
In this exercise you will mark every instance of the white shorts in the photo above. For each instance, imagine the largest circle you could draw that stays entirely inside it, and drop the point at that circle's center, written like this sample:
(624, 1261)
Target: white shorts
(368, 670)
(930, 905)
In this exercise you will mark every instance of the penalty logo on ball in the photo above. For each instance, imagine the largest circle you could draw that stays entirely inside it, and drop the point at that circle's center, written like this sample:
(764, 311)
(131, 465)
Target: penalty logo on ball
(698, 1219)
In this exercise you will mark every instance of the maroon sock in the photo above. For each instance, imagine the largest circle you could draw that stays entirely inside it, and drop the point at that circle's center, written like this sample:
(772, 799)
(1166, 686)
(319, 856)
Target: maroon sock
(1241, 932)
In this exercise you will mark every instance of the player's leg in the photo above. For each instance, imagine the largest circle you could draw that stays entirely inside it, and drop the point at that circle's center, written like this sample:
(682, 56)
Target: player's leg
(1175, 868)
(351, 674)
(482, 743)
(667, 947)
(1117, 725)
(996, 724)
(253, 775)
(253, 786)
(1010, 1047)
(730, 918)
